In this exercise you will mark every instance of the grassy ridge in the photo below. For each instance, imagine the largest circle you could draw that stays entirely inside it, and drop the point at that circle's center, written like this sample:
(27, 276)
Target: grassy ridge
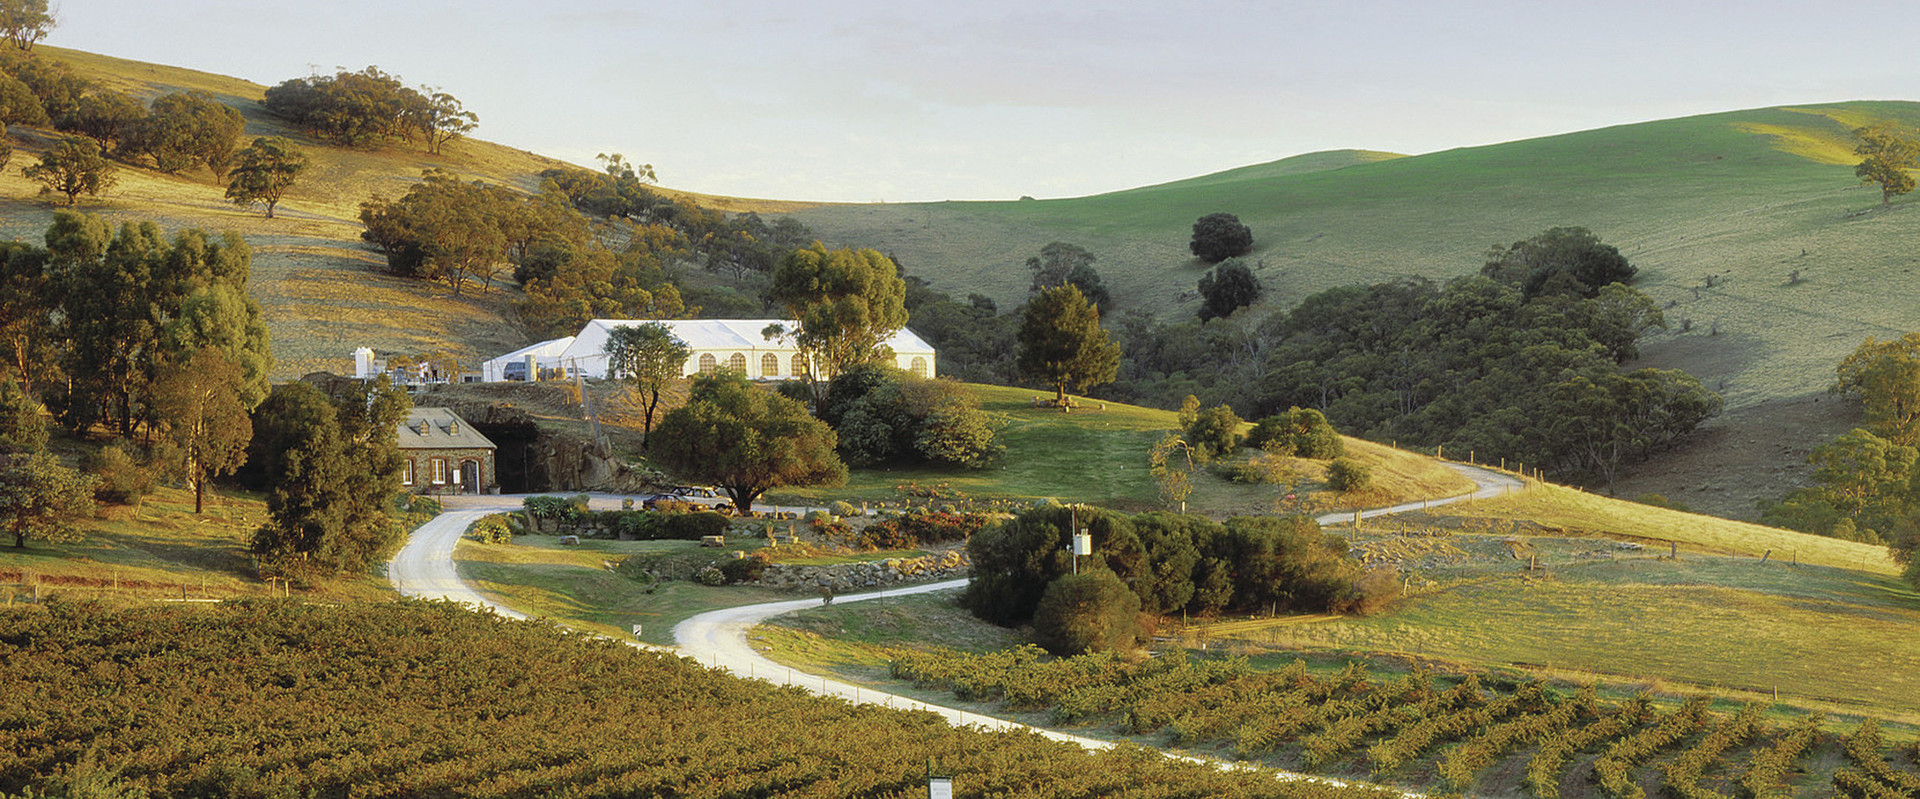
(1746, 197)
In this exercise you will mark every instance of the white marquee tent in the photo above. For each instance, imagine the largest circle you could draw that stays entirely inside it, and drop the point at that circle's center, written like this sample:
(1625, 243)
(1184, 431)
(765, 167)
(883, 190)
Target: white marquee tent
(546, 355)
(738, 344)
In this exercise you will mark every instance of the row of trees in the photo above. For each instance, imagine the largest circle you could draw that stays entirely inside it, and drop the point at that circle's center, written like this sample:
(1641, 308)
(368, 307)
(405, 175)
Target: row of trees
(369, 108)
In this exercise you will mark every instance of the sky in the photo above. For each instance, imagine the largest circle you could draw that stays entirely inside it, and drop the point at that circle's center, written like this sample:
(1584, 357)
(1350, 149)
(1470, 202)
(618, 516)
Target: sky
(903, 100)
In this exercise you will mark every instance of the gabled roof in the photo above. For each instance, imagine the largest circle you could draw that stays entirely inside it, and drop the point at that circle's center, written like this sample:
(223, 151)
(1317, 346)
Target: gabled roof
(544, 349)
(439, 428)
(705, 335)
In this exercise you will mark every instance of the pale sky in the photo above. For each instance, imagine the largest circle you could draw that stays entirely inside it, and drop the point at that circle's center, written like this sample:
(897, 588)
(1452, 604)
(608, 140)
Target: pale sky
(901, 100)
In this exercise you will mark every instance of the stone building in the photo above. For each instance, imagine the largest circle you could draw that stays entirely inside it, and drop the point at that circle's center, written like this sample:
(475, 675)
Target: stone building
(445, 455)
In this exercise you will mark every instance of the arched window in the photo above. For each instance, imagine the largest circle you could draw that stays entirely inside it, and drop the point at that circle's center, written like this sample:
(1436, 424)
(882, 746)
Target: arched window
(708, 365)
(738, 363)
(769, 365)
(919, 367)
(799, 364)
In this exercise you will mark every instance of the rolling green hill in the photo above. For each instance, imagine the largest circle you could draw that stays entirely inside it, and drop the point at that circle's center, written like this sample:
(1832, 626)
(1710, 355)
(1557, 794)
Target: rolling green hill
(1720, 212)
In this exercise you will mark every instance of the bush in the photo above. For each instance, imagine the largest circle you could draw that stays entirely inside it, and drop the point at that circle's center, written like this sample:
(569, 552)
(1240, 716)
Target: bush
(1090, 612)
(818, 518)
(747, 569)
(693, 526)
(843, 509)
(909, 530)
(1214, 433)
(1347, 475)
(122, 480)
(710, 575)
(491, 529)
(1300, 432)
(1261, 469)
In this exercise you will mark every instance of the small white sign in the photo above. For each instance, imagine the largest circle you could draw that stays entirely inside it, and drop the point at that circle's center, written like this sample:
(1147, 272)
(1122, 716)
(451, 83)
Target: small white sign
(636, 631)
(1082, 544)
(939, 788)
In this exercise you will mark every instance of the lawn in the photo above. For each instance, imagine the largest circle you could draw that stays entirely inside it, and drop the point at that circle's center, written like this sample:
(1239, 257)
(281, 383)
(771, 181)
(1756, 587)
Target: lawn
(582, 585)
(1097, 454)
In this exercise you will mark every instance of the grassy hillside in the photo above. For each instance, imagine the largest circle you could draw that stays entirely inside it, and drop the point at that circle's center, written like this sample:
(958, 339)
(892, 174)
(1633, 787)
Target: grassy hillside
(1098, 454)
(1719, 212)
(316, 282)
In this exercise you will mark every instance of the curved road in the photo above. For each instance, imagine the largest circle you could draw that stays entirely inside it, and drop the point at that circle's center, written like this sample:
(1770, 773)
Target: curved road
(719, 638)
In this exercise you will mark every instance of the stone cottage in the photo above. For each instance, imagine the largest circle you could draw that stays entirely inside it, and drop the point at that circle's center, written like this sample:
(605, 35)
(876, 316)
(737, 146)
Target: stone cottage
(445, 455)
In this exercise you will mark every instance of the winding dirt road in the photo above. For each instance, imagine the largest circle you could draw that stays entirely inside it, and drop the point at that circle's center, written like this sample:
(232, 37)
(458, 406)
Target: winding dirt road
(424, 568)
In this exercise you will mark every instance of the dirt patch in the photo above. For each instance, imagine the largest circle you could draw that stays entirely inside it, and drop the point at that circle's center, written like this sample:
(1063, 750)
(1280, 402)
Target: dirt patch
(1745, 456)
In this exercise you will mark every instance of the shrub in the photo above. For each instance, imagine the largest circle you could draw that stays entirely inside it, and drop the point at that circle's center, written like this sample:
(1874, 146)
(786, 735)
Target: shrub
(1090, 612)
(909, 530)
(819, 518)
(1347, 475)
(1215, 432)
(122, 480)
(693, 526)
(491, 529)
(1300, 432)
(747, 569)
(1261, 469)
(710, 575)
(843, 509)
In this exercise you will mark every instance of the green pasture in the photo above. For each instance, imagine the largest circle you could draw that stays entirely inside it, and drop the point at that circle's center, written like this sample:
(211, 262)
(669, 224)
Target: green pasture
(1718, 211)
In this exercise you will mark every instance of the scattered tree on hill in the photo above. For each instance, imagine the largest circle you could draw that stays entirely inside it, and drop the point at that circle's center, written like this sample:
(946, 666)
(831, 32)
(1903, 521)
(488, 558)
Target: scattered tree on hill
(1060, 263)
(1062, 343)
(1885, 376)
(1888, 156)
(58, 88)
(108, 117)
(1228, 288)
(187, 129)
(368, 108)
(264, 172)
(445, 228)
(848, 303)
(18, 104)
(200, 403)
(1561, 260)
(72, 166)
(25, 22)
(442, 119)
(333, 468)
(1217, 237)
(648, 357)
(745, 440)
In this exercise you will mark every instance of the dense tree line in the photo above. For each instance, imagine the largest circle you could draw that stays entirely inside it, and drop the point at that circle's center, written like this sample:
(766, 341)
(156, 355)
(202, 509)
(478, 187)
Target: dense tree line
(270, 699)
(1173, 563)
(370, 108)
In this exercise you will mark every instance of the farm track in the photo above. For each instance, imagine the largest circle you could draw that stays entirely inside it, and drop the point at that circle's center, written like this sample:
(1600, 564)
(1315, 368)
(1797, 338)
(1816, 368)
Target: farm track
(720, 638)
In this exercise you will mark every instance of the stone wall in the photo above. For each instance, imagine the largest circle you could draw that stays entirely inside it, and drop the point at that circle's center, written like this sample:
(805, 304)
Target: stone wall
(845, 577)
